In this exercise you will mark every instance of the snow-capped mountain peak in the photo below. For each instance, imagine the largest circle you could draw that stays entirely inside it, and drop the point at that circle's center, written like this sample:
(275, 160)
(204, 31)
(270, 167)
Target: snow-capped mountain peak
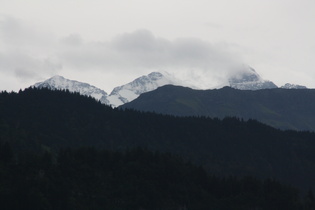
(119, 95)
(132, 90)
(143, 83)
(293, 86)
(249, 79)
(60, 83)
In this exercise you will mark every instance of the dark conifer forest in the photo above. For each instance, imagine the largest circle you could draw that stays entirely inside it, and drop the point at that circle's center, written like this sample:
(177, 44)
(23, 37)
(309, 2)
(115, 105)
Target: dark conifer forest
(61, 150)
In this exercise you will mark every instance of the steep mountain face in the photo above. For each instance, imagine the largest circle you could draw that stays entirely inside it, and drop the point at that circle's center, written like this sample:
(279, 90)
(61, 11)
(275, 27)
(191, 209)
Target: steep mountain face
(61, 83)
(280, 108)
(249, 79)
(293, 86)
(128, 92)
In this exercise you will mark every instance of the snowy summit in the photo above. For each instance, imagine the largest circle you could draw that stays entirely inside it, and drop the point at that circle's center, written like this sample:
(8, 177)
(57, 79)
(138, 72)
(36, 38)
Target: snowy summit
(249, 79)
(61, 83)
(128, 92)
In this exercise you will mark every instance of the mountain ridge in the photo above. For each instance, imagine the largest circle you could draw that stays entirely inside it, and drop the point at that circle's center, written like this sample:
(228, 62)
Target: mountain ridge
(247, 79)
(60, 83)
(280, 108)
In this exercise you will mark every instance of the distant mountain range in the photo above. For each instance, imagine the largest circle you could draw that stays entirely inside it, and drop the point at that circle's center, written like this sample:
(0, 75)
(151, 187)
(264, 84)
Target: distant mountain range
(119, 95)
(292, 86)
(278, 107)
(248, 79)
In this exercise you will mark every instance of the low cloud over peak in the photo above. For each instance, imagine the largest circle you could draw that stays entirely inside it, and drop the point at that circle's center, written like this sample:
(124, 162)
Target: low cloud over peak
(138, 52)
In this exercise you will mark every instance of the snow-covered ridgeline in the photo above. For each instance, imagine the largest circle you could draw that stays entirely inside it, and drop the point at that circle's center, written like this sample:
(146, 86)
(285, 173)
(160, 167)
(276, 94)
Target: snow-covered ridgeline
(246, 79)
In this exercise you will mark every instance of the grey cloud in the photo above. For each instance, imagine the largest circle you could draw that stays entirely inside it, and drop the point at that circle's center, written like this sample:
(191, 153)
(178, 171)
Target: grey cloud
(141, 49)
(38, 68)
(26, 67)
(32, 53)
(17, 34)
(23, 73)
(72, 40)
(189, 57)
(146, 49)
(213, 25)
(26, 51)
(140, 41)
(10, 29)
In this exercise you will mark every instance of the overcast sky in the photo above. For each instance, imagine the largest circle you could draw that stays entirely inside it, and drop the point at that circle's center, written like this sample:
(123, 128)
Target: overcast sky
(109, 43)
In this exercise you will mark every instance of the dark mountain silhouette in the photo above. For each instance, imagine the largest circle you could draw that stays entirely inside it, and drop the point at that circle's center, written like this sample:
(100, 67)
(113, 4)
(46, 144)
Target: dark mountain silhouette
(41, 120)
(280, 108)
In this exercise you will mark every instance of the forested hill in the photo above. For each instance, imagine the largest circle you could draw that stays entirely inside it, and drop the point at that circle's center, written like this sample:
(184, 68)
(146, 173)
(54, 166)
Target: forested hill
(90, 179)
(280, 108)
(44, 120)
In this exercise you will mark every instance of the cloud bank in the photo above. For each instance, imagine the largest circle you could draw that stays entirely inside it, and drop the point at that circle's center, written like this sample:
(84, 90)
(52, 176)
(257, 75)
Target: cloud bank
(32, 54)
